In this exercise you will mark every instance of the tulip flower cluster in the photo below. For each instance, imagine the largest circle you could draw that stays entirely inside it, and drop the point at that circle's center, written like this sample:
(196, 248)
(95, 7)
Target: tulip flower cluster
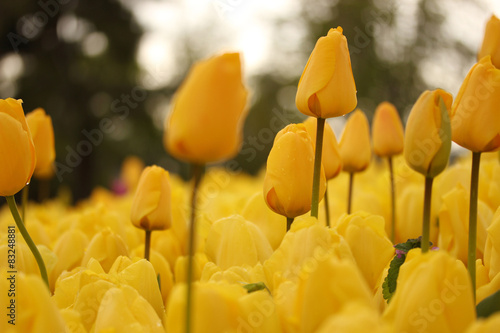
(243, 267)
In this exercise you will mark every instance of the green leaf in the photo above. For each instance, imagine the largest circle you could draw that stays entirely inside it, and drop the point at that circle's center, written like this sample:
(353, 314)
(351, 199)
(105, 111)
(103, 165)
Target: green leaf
(251, 287)
(489, 305)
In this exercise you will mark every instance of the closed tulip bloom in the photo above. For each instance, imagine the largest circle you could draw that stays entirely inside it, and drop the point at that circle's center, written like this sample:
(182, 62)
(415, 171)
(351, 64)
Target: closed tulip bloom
(42, 132)
(355, 147)
(16, 148)
(332, 162)
(475, 118)
(205, 123)
(387, 131)
(428, 138)
(326, 88)
(492, 247)
(151, 204)
(491, 41)
(289, 173)
(105, 247)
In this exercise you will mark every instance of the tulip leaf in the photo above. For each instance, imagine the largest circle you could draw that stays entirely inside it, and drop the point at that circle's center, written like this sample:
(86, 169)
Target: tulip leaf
(391, 280)
(252, 287)
(489, 305)
(158, 278)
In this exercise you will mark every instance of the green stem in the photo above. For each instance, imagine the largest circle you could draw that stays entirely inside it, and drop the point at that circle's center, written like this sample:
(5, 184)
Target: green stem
(147, 244)
(426, 225)
(24, 202)
(327, 207)
(197, 175)
(22, 229)
(474, 182)
(349, 194)
(289, 221)
(393, 201)
(320, 126)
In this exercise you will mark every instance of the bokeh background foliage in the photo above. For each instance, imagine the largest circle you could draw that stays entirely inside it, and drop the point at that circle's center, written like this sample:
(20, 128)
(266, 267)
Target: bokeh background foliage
(85, 63)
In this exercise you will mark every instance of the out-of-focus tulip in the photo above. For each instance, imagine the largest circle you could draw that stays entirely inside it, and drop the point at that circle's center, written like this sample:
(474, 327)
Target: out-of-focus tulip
(205, 123)
(387, 131)
(131, 171)
(180, 268)
(428, 134)
(258, 313)
(289, 173)
(491, 41)
(233, 241)
(492, 248)
(215, 308)
(475, 118)
(326, 88)
(487, 325)
(124, 310)
(433, 295)
(355, 147)
(332, 162)
(151, 203)
(42, 132)
(105, 247)
(369, 244)
(17, 144)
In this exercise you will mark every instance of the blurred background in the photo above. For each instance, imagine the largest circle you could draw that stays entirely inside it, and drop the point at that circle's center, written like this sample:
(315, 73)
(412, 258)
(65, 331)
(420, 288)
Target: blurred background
(106, 70)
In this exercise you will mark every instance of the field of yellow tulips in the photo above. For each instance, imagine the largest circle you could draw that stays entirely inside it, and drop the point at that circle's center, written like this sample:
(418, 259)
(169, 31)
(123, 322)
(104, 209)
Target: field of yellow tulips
(380, 231)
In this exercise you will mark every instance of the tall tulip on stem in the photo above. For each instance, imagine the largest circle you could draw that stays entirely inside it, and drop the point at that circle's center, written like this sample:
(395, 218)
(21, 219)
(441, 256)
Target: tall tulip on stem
(204, 126)
(326, 89)
(476, 126)
(428, 144)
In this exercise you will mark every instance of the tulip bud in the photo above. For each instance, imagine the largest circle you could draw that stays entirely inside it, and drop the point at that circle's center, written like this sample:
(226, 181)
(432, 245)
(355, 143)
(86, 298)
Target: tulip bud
(151, 203)
(475, 117)
(17, 144)
(428, 133)
(331, 155)
(491, 41)
(105, 247)
(288, 180)
(355, 147)
(387, 131)
(326, 88)
(42, 132)
(205, 123)
(131, 171)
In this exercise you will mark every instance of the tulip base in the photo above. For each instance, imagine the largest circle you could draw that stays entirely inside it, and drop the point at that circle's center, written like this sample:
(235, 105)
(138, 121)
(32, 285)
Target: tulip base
(320, 127)
(474, 184)
(426, 224)
(24, 232)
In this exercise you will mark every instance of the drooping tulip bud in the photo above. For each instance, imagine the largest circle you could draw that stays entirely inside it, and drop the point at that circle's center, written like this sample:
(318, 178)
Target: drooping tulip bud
(206, 120)
(16, 144)
(289, 173)
(326, 88)
(355, 147)
(387, 131)
(42, 132)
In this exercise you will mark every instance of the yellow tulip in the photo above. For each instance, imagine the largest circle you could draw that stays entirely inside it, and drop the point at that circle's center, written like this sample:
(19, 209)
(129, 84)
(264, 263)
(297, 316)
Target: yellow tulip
(433, 294)
(332, 162)
(16, 144)
(355, 147)
(151, 204)
(233, 241)
(42, 132)
(491, 41)
(486, 325)
(387, 131)
(258, 313)
(326, 88)
(492, 247)
(475, 118)
(105, 247)
(206, 120)
(289, 173)
(131, 171)
(428, 138)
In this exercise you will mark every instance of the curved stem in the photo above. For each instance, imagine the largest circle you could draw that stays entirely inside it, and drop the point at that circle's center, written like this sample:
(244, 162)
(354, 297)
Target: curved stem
(320, 126)
(349, 195)
(24, 202)
(22, 229)
(327, 207)
(474, 184)
(197, 175)
(426, 224)
(393, 201)
(147, 244)
(289, 221)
